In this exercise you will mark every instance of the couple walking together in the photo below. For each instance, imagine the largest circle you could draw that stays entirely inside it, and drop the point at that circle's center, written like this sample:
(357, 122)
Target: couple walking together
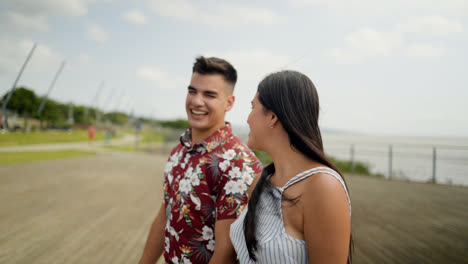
(220, 206)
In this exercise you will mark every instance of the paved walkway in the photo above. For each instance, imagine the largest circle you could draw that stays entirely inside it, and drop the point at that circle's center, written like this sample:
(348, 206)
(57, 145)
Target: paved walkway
(98, 209)
(95, 209)
(407, 222)
(127, 139)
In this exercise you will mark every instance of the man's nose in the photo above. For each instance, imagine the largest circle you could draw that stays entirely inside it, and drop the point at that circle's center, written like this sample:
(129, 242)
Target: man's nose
(197, 100)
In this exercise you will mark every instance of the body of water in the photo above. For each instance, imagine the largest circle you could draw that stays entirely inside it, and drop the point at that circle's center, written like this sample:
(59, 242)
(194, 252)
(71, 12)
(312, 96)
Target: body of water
(412, 158)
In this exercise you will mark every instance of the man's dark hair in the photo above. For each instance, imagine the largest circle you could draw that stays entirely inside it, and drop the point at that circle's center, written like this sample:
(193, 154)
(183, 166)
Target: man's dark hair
(215, 65)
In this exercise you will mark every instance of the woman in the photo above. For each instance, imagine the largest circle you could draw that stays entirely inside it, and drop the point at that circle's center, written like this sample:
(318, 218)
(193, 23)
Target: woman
(299, 211)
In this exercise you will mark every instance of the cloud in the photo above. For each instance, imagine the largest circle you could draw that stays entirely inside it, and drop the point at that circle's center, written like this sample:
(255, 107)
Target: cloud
(377, 8)
(424, 50)
(34, 14)
(431, 25)
(43, 52)
(42, 60)
(97, 33)
(135, 17)
(84, 59)
(371, 42)
(34, 22)
(159, 78)
(49, 7)
(177, 9)
(359, 7)
(253, 65)
(250, 15)
(218, 14)
(366, 42)
(10, 55)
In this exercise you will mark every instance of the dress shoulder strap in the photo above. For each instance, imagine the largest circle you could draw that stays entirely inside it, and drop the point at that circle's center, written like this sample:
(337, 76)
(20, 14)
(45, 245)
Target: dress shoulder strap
(305, 174)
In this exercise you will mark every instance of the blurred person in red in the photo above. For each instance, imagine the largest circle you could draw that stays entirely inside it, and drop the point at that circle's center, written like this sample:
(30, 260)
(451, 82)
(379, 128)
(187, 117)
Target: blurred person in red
(91, 132)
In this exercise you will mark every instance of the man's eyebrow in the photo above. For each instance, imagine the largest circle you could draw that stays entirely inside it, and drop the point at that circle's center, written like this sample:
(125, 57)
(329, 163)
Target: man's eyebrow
(205, 92)
(211, 92)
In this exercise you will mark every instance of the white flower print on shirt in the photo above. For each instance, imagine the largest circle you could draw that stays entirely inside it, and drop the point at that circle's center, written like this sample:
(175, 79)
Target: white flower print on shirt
(235, 173)
(187, 157)
(186, 260)
(185, 186)
(196, 201)
(207, 233)
(240, 187)
(194, 180)
(170, 178)
(195, 172)
(186, 160)
(247, 177)
(248, 169)
(173, 232)
(175, 260)
(168, 167)
(167, 244)
(211, 245)
(224, 165)
(197, 169)
(191, 186)
(175, 158)
(229, 187)
(235, 187)
(229, 155)
(194, 176)
(188, 173)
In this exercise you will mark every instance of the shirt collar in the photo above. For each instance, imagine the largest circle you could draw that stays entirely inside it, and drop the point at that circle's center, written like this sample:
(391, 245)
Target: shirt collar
(186, 138)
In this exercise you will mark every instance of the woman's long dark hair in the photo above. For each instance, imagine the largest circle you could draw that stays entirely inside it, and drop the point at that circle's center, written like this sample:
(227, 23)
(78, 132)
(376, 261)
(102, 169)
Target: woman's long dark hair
(292, 97)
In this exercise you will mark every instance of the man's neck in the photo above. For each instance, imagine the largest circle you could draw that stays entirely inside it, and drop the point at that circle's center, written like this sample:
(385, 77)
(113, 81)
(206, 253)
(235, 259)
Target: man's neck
(199, 135)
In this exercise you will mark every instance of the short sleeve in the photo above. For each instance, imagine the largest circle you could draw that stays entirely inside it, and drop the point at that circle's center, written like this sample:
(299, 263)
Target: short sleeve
(238, 169)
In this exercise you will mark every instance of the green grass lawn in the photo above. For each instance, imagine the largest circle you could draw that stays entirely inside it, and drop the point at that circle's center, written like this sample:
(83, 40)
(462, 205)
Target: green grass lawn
(123, 148)
(150, 136)
(20, 138)
(142, 147)
(30, 156)
(146, 138)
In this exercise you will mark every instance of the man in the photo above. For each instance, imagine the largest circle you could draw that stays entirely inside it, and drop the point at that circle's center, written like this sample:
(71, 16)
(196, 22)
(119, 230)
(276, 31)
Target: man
(207, 175)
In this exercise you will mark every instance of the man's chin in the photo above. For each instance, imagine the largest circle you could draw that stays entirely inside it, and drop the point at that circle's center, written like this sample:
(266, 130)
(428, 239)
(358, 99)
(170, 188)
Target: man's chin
(197, 118)
(197, 124)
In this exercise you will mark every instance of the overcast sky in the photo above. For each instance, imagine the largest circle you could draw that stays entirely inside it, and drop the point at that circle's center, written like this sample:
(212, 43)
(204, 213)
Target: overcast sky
(381, 67)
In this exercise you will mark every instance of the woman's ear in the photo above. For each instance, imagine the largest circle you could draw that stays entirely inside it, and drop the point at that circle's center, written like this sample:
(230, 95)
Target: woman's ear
(273, 121)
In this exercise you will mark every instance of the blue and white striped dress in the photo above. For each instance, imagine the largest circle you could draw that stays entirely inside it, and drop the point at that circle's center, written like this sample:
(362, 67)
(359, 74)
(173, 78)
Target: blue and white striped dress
(274, 245)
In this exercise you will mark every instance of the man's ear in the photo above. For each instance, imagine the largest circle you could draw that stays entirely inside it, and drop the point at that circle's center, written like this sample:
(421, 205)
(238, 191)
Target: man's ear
(230, 102)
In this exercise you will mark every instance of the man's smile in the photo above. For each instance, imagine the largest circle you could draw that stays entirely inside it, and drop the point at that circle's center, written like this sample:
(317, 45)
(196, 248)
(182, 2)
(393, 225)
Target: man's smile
(195, 112)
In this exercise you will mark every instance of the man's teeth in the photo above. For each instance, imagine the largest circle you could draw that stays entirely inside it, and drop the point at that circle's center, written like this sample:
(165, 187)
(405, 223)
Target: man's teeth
(199, 112)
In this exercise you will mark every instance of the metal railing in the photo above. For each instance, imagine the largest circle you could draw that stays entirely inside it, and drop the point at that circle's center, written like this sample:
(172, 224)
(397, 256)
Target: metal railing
(437, 164)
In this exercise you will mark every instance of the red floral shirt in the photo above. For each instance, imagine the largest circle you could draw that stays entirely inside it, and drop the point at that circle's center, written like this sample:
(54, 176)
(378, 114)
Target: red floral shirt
(203, 184)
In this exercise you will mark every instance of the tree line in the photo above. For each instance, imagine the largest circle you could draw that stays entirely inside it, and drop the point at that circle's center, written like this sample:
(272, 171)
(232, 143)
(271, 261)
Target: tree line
(26, 104)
